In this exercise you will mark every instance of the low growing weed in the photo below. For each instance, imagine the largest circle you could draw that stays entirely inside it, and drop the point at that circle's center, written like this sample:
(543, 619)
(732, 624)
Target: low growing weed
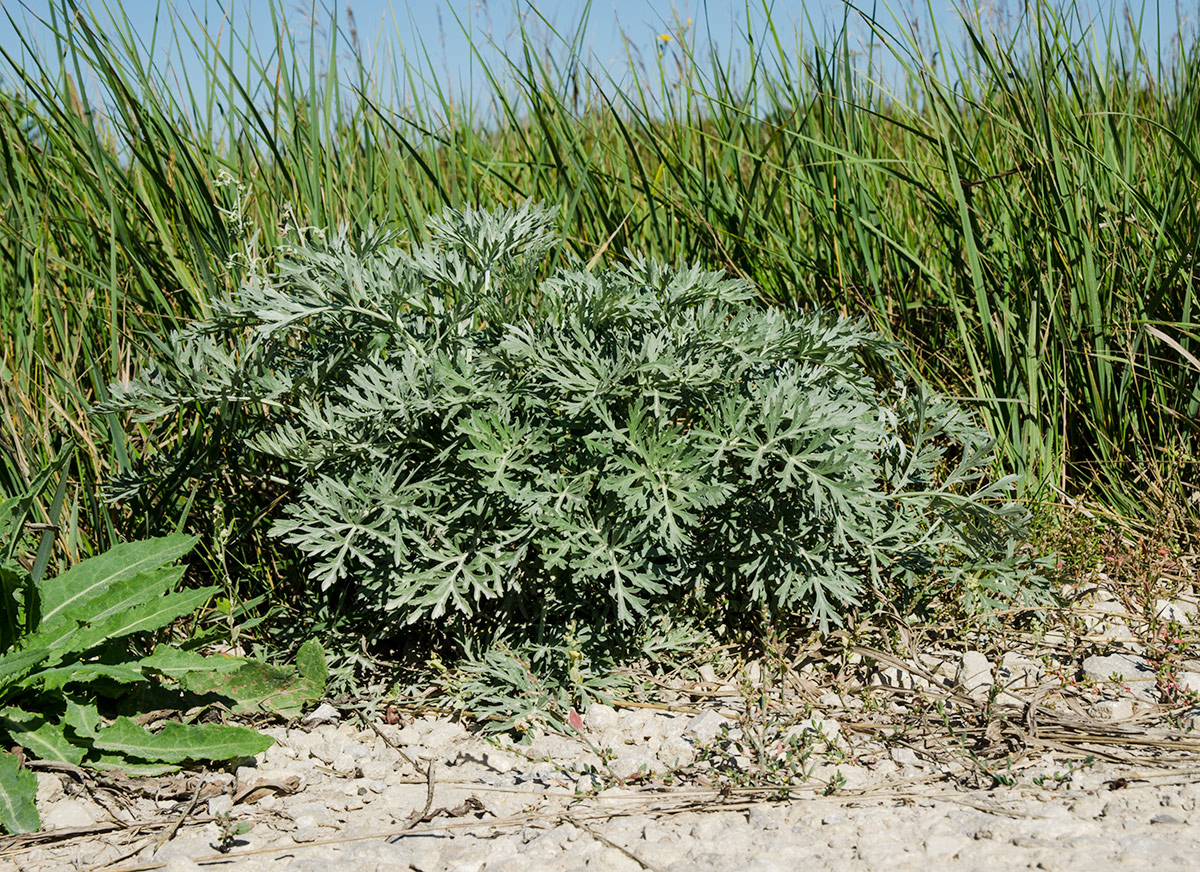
(68, 654)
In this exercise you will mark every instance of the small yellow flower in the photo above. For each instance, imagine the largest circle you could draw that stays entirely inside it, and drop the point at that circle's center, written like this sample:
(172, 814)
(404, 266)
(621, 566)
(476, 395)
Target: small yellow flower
(666, 37)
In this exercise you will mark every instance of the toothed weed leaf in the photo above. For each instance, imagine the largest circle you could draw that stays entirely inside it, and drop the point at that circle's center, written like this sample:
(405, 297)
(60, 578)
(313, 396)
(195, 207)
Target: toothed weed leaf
(71, 646)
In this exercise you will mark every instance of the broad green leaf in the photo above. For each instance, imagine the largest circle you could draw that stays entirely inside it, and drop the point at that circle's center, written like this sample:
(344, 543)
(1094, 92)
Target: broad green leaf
(67, 594)
(311, 666)
(153, 615)
(177, 742)
(171, 661)
(126, 594)
(133, 768)
(18, 790)
(259, 687)
(75, 673)
(82, 717)
(16, 665)
(46, 739)
(54, 640)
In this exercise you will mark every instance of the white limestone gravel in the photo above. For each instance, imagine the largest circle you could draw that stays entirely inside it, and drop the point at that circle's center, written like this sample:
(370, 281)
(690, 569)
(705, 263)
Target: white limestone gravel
(556, 804)
(1014, 758)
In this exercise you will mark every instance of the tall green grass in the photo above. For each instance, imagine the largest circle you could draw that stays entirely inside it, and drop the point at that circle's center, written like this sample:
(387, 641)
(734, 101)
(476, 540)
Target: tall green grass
(1019, 208)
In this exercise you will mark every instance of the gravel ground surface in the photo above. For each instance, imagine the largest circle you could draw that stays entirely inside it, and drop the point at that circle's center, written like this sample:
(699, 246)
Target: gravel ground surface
(1045, 756)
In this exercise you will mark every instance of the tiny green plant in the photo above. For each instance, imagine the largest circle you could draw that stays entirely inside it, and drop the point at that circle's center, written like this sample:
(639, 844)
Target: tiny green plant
(1057, 779)
(525, 461)
(836, 782)
(229, 830)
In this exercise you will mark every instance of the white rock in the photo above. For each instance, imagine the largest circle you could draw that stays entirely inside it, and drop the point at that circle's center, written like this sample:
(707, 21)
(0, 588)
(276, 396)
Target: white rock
(614, 860)
(1017, 676)
(1107, 606)
(220, 804)
(612, 739)
(184, 846)
(601, 718)
(655, 728)
(322, 714)
(676, 751)
(672, 726)
(343, 763)
(946, 844)
(499, 761)
(894, 676)
(1112, 710)
(279, 754)
(1018, 672)
(712, 829)
(936, 665)
(553, 746)
(443, 734)
(904, 756)
(633, 764)
(708, 674)
(1113, 631)
(68, 815)
(375, 770)
(618, 796)
(705, 726)
(850, 777)
(974, 674)
(1100, 627)
(1178, 610)
(1188, 681)
(1055, 639)
(50, 788)
(310, 810)
(408, 735)
(1132, 672)
(633, 726)
(300, 741)
(880, 852)
(762, 818)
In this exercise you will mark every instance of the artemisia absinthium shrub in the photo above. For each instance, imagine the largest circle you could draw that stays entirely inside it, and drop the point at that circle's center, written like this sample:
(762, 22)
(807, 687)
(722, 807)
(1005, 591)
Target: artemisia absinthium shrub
(471, 440)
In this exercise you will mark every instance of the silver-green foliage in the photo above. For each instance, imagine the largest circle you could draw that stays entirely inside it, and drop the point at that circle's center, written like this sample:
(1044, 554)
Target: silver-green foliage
(468, 440)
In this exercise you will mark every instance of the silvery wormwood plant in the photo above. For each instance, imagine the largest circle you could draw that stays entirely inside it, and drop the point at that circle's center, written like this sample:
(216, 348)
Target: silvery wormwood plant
(469, 442)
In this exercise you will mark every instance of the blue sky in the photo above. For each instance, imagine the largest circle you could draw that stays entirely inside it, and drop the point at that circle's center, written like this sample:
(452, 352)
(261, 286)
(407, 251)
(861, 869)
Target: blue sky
(432, 31)
(435, 26)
